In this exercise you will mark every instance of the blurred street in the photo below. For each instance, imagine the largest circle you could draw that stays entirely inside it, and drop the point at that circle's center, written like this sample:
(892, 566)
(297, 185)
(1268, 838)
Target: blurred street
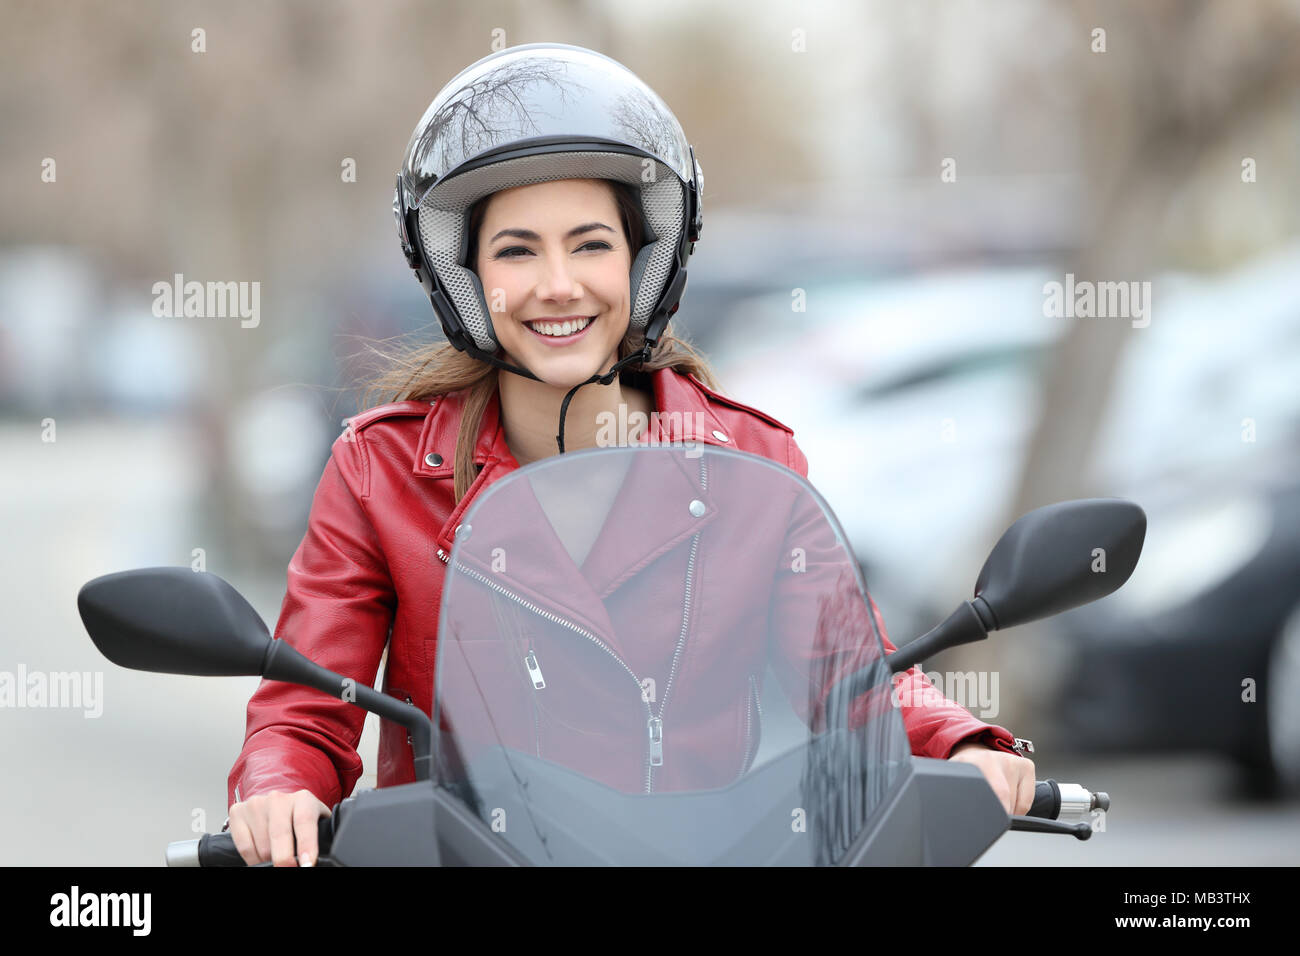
(898, 198)
(113, 789)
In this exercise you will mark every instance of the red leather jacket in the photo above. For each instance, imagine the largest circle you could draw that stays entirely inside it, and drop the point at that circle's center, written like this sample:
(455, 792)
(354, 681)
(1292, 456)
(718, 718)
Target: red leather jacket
(367, 576)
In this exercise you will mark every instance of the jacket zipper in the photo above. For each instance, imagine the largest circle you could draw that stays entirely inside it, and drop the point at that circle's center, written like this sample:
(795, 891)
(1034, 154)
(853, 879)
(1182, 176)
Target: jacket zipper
(589, 636)
(657, 723)
(539, 683)
(534, 673)
(749, 723)
(654, 724)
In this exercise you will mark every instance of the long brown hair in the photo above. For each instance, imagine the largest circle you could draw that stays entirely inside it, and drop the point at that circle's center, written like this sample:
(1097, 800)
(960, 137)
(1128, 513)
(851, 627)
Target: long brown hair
(421, 373)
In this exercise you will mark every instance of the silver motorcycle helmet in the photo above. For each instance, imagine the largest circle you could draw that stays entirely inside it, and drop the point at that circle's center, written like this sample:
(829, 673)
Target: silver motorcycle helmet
(530, 114)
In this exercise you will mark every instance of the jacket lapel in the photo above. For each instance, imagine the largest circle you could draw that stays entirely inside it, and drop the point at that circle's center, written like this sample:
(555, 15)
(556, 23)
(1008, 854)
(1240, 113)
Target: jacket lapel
(650, 515)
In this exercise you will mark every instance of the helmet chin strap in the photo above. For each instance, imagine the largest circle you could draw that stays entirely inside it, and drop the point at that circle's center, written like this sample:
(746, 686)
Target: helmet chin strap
(491, 359)
(606, 379)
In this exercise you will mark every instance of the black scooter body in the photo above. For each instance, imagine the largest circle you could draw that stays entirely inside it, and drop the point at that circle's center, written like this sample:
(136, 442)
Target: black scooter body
(939, 813)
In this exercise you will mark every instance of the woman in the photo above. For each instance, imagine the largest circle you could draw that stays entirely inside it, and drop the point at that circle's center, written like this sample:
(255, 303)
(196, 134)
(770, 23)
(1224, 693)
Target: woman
(548, 204)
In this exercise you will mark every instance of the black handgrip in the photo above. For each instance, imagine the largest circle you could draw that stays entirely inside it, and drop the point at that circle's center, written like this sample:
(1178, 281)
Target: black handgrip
(1047, 800)
(218, 849)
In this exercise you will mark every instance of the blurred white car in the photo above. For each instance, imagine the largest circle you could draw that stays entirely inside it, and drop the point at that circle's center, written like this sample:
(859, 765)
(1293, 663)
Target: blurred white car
(912, 399)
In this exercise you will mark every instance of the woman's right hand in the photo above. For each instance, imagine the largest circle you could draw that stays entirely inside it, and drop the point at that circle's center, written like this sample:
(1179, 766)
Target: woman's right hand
(267, 826)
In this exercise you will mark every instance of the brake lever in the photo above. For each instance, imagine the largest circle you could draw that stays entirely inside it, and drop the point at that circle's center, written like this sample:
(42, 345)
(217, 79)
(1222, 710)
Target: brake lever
(1080, 831)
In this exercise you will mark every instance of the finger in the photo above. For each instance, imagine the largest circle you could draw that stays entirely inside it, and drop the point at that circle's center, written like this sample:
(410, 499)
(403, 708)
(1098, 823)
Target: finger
(1006, 793)
(1025, 793)
(256, 820)
(280, 829)
(997, 777)
(306, 811)
(242, 834)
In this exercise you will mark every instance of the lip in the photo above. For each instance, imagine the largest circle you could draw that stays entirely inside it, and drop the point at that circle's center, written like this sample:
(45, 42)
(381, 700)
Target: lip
(557, 341)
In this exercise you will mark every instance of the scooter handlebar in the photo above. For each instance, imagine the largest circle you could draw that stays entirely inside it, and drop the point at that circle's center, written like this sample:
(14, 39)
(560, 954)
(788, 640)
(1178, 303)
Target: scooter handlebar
(218, 849)
(1052, 801)
(1066, 801)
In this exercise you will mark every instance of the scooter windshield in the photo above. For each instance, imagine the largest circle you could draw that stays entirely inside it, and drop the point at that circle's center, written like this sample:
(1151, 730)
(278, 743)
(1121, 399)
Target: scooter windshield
(639, 659)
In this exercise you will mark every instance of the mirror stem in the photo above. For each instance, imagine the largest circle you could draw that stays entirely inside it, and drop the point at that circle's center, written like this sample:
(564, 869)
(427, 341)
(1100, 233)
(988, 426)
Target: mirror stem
(285, 663)
(972, 621)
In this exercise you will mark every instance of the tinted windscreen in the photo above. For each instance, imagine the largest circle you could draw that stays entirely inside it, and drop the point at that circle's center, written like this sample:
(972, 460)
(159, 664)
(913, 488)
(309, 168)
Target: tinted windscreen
(636, 653)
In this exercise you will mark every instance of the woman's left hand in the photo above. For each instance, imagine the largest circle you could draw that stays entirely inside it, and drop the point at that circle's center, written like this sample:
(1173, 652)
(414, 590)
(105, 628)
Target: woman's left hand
(1010, 775)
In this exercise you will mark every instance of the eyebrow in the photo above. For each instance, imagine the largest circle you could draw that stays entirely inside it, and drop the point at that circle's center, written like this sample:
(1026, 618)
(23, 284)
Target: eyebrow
(534, 237)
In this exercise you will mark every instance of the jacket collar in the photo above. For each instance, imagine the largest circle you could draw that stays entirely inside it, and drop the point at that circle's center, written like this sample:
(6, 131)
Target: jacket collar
(435, 451)
(683, 414)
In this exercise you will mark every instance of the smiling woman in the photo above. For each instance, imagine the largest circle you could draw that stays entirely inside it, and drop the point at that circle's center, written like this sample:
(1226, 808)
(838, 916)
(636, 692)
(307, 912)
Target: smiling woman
(548, 203)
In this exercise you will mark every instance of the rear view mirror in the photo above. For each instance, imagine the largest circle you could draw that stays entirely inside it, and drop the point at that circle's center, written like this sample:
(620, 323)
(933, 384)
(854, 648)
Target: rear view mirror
(1050, 560)
(175, 621)
(180, 621)
(1059, 557)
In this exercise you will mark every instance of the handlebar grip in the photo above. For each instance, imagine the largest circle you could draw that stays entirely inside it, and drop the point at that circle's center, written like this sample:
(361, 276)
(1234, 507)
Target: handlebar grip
(1047, 800)
(1066, 801)
(218, 849)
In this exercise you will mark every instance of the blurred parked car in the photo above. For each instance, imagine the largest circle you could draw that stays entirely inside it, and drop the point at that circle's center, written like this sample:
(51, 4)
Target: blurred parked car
(912, 399)
(1199, 656)
(1198, 651)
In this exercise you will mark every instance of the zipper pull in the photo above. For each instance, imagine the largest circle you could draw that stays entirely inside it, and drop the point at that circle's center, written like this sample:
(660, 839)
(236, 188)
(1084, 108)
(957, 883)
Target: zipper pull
(534, 671)
(656, 728)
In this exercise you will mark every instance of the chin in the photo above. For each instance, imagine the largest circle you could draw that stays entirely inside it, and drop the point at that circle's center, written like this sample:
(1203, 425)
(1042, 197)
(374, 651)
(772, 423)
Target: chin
(563, 371)
(566, 372)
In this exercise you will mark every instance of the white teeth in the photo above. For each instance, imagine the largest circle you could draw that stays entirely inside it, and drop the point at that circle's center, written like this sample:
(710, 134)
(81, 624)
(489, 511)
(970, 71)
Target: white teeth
(560, 328)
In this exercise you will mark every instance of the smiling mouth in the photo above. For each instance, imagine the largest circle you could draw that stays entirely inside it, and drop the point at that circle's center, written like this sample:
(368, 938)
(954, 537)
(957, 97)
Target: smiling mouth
(560, 331)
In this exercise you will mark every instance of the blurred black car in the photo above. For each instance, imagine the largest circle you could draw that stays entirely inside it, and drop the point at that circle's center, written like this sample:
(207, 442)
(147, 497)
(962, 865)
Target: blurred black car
(1211, 666)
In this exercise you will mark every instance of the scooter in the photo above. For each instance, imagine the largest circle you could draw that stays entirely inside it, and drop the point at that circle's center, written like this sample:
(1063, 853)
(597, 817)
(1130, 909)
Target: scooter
(547, 748)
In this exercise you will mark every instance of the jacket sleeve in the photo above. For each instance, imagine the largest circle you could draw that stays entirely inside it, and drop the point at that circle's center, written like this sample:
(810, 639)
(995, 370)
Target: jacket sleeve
(934, 724)
(338, 611)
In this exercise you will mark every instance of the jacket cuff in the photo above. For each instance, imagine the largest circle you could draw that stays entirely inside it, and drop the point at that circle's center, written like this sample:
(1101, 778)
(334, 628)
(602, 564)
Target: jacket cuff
(280, 767)
(993, 737)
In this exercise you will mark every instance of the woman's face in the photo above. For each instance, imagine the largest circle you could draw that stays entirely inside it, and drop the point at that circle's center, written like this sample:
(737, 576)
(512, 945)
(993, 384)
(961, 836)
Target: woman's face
(556, 251)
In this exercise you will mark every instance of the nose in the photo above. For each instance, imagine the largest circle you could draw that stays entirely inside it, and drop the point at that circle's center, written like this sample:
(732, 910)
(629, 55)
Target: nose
(557, 282)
